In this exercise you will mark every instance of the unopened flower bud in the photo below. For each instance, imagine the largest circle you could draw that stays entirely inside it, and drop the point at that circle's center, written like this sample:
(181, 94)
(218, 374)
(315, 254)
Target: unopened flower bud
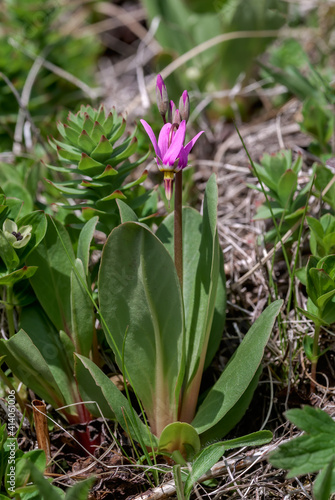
(171, 111)
(162, 96)
(176, 117)
(184, 106)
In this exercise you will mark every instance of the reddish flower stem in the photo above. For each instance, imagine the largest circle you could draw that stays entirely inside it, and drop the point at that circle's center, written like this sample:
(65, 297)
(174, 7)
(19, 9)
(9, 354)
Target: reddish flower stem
(178, 226)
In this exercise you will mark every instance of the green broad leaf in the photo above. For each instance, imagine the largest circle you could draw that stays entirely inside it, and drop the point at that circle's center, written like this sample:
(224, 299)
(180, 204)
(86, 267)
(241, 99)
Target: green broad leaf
(8, 254)
(324, 485)
(329, 243)
(14, 208)
(38, 221)
(327, 263)
(95, 386)
(127, 214)
(103, 150)
(316, 227)
(266, 177)
(140, 296)
(28, 364)
(210, 455)
(84, 242)
(22, 473)
(294, 215)
(46, 490)
(51, 282)
(48, 341)
(16, 276)
(263, 212)
(200, 305)
(321, 282)
(15, 190)
(68, 346)
(89, 166)
(310, 287)
(85, 143)
(322, 301)
(238, 374)
(181, 437)
(80, 490)
(328, 223)
(312, 451)
(287, 186)
(82, 315)
(231, 419)
(312, 313)
(324, 175)
(328, 312)
(296, 167)
(197, 281)
(219, 317)
(301, 275)
(308, 348)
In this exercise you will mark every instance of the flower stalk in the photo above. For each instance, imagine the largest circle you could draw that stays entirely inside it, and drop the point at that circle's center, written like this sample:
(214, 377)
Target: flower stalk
(178, 226)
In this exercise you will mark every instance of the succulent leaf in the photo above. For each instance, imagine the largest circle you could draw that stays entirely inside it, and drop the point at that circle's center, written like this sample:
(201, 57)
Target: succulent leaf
(88, 148)
(103, 150)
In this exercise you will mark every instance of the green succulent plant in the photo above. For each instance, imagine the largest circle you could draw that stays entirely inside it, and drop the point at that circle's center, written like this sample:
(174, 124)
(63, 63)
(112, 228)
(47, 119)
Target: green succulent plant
(94, 152)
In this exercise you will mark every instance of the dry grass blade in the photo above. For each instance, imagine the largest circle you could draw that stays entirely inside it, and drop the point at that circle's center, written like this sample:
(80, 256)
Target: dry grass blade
(265, 259)
(237, 463)
(202, 47)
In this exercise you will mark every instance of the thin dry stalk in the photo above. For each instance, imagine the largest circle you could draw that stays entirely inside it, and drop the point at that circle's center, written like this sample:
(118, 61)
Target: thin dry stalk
(41, 427)
(208, 44)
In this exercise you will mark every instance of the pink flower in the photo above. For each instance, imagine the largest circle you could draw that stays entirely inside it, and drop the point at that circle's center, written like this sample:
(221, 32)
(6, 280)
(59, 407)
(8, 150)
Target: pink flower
(171, 154)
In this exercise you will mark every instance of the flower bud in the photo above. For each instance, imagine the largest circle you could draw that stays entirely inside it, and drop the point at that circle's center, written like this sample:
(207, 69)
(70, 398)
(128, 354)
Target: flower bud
(162, 96)
(184, 106)
(171, 111)
(176, 117)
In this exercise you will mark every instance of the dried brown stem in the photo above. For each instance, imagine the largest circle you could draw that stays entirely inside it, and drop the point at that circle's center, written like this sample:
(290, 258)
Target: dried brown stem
(41, 427)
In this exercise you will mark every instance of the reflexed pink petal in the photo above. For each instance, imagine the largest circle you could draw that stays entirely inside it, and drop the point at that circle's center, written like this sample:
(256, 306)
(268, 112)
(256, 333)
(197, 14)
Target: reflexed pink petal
(152, 137)
(185, 151)
(163, 139)
(190, 144)
(183, 159)
(177, 143)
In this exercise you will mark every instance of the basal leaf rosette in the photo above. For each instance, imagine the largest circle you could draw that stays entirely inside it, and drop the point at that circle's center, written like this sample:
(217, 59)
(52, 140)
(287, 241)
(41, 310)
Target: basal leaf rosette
(95, 150)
